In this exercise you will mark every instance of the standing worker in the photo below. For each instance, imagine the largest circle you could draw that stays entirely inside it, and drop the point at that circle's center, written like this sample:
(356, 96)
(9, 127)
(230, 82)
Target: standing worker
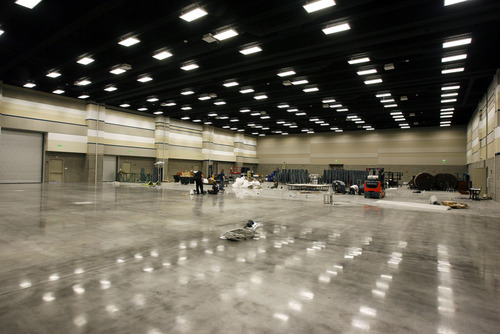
(198, 178)
(222, 176)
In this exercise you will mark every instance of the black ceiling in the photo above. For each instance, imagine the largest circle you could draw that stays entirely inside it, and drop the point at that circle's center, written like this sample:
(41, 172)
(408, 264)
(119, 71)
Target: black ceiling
(408, 34)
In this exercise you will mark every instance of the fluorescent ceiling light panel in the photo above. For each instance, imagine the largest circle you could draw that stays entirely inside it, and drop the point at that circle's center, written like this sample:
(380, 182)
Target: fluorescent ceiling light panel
(1, 32)
(283, 106)
(110, 89)
(187, 92)
(152, 99)
(162, 55)
(449, 94)
(373, 81)
(265, 117)
(447, 113)
(28, 3)
(286, 73)
(447, 109)
(158, 112)
(204, 98)
(244, 110)
(336, 28)
(58, 91)
(390, 105)
(54, 74)
(335, 105)
(85, 60)
(405, 127)
(444, 125)
(365, 72)
(29, 85)
(300, 114)
(255, 114)
(343, 109)
(358, 61)
(225, 34)
(193, 14)
(212, 114)
(250, 50)
(457, 42)
(83, 82)
(387, 101)
(453, 70)
(328, 100)
(234, 120)
(445, 122)
(170, 104)
(129, 41)
(383, 95)
(260, 97)
(84, 96)
(300, 82)
(124, 105)
(450, 87)
(396, 113)
(197, 120)
(292, 110)
(207, 123)
(186, 108)
(452, 2)
(448, 100)
(453, 58)
(311, 89)
(247, 90)
(230, 84)
(189, 67)
(446, 116)
(319, 5)
(145, 78)
(117, 71)
(219, 103)
(360, 122)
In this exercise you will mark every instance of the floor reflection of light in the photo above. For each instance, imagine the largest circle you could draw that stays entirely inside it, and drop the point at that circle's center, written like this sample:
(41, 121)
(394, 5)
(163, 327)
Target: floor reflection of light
(54, 277)
(262, 249)
(200, 276)
(295, 305)
(25, 284)
(378, 293)
(361, 324)
(281, 316)
(220, 248)
(386, 277)
(445, 330)
(205, 240)
(120, 260)
(166, 264)
(111, 308)
(382, 285)
(139, 300)
(216, 268)
(347, 256)
(105, 284)
(183, 280)
(138, 256)
(277, 244)
(182, 245)
(256, 279)
(331, 272)
(307, 295)
(339, 267)
(80, 321)
(182, 258)
(209, 251)
(78, 289)
(48, 297)
(323, 278)
(148, 269)
(193, 243)
(154, 253)
(241, 259)
(402, 244)
(79, 271)
(368, 311)
(155, 331)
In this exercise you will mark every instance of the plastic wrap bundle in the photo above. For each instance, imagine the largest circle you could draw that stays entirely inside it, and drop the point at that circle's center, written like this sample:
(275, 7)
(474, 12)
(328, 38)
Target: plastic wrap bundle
(299, 176)
(424, 181)
(349, 177)
(446, 182)
(243, 183)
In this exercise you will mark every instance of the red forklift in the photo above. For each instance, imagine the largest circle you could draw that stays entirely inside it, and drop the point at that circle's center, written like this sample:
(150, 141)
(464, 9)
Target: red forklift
(374, 183)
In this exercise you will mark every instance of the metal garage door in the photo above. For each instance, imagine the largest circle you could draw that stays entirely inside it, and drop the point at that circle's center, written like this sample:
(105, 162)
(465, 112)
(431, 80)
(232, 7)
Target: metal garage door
(21, 155)
(109, 168)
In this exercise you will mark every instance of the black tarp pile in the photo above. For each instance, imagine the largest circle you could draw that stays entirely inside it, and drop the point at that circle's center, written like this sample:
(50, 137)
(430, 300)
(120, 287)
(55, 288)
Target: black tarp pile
(349, 177)
(293, 176)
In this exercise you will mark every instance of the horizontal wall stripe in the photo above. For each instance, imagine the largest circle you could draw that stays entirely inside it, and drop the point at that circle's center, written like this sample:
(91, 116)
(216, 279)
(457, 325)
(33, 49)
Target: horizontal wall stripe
(209, 142)
(42, 120)
(130, 126)
(44, 106)
(136, 147)
(65, 137)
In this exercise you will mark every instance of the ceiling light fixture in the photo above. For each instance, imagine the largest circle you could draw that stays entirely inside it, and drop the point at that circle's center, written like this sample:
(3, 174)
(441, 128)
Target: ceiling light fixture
(343, 109)
(168, 104)
(244, 110)
(449, 94)
(292, 110)
(448, 100)
(286, 73)
(450, 87)
(457, 42)
(358, 60)
(447, 109)
(365, 72)
(187, 92)
(230, 84)
(452, 2)
(124, 105)
(119, 69)
(54, 74)
(29, 85)
(373, 81)
(383, 95)
(193, 14)
(189, 67)
(390, 105)
(110, 88)
(144, 78)
(85, 60)
(204, 97)
(387, 101)
(260, 97)
(319, 5)
(83, 82)
(336, 28)
(310, 89)
(129, 41)
(186, 108)
(225, 34)
(1, 32)
(152, 99)
(300, 82)
(453, 70)
(328, 100)
(159, 112)
(84, 96)
(247, 90)
(453, 58)
(283, 106)
(301, 114)
(219, 103)
(160, 55)
(28, 3)
(336, 105)
(250, 50)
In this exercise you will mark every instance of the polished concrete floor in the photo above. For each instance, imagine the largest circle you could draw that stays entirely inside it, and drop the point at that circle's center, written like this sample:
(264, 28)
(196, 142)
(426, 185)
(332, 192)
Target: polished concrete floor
(131, 259)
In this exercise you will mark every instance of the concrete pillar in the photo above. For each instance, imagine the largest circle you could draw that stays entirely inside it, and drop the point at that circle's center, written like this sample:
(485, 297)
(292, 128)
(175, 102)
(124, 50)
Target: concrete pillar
(162, 134)
(95, 148)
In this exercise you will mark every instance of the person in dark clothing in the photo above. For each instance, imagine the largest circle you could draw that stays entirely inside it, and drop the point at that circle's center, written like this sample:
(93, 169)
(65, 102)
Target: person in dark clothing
(215, 189)
(222, 176)
(198, 178)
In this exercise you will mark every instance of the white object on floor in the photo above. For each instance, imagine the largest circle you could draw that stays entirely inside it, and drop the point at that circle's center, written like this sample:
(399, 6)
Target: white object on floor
(416, 206)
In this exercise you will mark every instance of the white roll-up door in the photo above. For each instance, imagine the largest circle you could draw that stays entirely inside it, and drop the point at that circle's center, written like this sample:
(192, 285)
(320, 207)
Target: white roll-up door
(109, 168)
(21, 155)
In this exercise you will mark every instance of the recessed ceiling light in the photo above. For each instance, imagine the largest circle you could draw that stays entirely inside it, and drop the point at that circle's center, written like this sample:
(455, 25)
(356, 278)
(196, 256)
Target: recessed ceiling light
(265, 117)
(197, 120)
(383, 95)
(84, 96)
(187, 92)
(189, 67)
(328, 100)
(318, 5)
(193, 14)
(244, 110)
(119, 69)
(162, 55)
(457, 42)
(1, 32)
(283, 106)
(286, 73)
(301, 114)
(319, 122)
(255, 114)
(452, 2)
(54, 74)
(444, 125)
(142, 109)
(447, 113)
(169, 104)
(373, 81)
(255, 133)
(358, 60)
(152, 99)
(212, 114)
(338, 105)
(453, 58)
(144, 78)
(234, 120)
(226, 127)
(158, 112)
(365, 72)
(247, 90)
(292, 110)
(219, 103)
(446, 116)
(28, 3)
(336, 28)
(230, 84)
(310, 89)
(447, 109)
(343, 109)
(300, 82)
(450, 87)
(449, 94)
(448, 100)
(280, 122)
(387, 101)
(260, 97)
(207, 123)
(110, 88)
(225, 34)
(396, 113)
(405, 127)
(124, 105)
(85, 60)
(186, 108)
(445, 122)
(453, 70)
(29, 85)
(83, 82)
(204, 97)
(250, 50)
(185, 118)
(390, 105)
(129, 41)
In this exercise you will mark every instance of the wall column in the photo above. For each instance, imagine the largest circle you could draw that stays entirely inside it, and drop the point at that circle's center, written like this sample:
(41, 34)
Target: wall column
(162, 133)
(95, 148)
